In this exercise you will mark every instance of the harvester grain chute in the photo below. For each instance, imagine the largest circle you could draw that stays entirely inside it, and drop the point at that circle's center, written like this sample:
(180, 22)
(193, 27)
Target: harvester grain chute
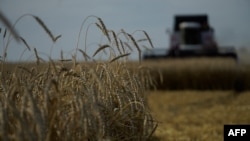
(192, 36)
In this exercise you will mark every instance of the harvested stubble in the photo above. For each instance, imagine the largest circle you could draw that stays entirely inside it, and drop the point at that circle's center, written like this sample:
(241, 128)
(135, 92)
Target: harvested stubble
(88, 102)
(197, 115)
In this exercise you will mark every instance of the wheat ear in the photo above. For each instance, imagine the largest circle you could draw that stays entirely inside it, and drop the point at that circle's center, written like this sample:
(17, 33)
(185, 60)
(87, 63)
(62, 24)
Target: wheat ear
(40, 22)
(104, 29)
(136, 45)
(116, 41)
(101, 48)
(7, 23)
(84, 54)
(149, 39)
(118, 57)
(25, 43)
(123, 49)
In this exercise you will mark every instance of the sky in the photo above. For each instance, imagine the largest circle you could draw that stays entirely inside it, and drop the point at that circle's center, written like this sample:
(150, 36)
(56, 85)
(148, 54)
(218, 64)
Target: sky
(229, 18)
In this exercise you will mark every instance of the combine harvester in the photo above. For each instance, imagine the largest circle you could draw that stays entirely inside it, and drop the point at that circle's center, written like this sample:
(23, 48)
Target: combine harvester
(192, 36)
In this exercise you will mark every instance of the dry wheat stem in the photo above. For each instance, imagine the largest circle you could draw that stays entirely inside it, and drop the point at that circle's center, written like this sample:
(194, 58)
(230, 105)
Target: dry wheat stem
(102, 47)
(118, 57)
(25, 43)
(116, 42)
(80, 31)
(136, 45)
(147, 37)
(105, 31)
(85, 55)
(37, 57)
(42, 24)
(7, 23)
(101, 100)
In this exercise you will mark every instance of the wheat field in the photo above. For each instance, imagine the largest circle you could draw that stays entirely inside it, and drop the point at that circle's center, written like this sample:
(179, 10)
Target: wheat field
(199, 74)
(69, 99)
(116, 99)
(102, 101)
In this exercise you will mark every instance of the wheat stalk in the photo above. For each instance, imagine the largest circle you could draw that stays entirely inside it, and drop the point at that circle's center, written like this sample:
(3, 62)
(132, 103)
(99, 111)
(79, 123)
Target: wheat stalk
(136, 45)
(149, 39)
(44, 27)
(37, 57)
(118, 57)
(116, 41)
(42, 24)
(57, 37)
(61, 101)
(100, 48)
(122, 45)
(128, 46)
(7, 23)
(85, 55)
(104, 29)
(25, 43)
(5, 32)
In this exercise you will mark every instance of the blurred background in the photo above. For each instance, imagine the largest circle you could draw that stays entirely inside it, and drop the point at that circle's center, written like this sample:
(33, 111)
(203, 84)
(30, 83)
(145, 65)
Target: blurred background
(229, 18)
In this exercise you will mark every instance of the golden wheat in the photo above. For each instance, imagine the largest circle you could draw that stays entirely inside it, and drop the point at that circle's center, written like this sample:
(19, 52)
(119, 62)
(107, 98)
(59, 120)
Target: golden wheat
(118, 57)
(75, 101)
(84, 54)
(7, 23)
(101, 48)
(148, 38)
(25, 43)
(104, 29)
(136, 45)
(41, 23)
(37, 57)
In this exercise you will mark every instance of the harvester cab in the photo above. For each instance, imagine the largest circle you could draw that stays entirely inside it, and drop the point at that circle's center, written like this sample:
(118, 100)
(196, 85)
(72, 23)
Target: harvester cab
(192, 36)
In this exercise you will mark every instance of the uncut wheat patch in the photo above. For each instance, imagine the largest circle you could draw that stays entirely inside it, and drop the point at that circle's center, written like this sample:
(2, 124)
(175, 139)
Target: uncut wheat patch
(55, 103)
(95, 100)
(200, 73)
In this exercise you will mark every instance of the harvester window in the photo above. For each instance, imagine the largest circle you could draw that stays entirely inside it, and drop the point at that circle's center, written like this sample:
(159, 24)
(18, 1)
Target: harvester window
(191, 36)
